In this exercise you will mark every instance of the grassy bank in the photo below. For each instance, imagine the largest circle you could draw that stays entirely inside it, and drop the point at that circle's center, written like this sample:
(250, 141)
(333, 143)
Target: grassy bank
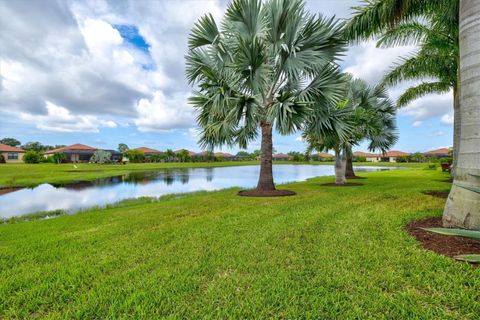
(29, 175)
(326, 253)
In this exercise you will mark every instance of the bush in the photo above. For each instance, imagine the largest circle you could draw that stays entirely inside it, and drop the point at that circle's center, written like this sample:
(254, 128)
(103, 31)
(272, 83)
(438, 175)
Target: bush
(402, 159)
(135, 156)
(2, 159)
(32, 157)
(101, 156)
(447, 160)
(359, 159)
(58, 158)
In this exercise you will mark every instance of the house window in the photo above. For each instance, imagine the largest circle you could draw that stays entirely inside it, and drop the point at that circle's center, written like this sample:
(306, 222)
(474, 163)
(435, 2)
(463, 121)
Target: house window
(12, 156)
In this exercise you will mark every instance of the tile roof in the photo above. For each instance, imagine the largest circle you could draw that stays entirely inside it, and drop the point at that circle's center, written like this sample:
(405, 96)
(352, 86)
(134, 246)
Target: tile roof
(325, 155)
(147, 150)
(441, 151)
(365, 154)
(394, 153)
(73, 147)
(7, 148)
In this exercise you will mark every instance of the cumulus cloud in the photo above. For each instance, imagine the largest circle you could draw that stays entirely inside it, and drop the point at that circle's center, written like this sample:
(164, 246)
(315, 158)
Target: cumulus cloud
(59, 119)
(370, 63)
(431, 106)
(162, 113)
(447, 119)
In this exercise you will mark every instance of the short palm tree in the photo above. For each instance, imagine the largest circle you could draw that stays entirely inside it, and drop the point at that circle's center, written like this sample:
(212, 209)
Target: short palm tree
(366, 114)
(267, 66)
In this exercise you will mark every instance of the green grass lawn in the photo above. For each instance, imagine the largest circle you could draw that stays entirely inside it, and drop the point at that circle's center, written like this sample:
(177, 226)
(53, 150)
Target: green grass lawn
(326, 253)
(28, 175)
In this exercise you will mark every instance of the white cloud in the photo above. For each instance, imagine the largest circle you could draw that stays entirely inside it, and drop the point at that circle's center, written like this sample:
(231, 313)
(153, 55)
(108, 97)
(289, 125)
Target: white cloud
(59, 119)
(162, 113)
(370, 63)
(437, 133)
(447, 119)
(429, 107)
(417, 124)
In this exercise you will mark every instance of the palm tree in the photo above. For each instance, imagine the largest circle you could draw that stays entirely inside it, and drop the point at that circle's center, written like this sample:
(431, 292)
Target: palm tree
(431, 24)
(366, 114)
(463, 204)
(268, 66)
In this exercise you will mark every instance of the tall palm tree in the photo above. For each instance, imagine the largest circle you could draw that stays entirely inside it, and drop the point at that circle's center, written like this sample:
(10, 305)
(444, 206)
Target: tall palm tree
(430, 24)
(367, 114)
(435, 63)
(268, 66)
(463, 204)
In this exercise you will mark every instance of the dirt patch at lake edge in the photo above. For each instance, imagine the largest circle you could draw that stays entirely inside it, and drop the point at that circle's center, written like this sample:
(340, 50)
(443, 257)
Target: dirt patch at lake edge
(9, 190)
(437, 193)
(446, 245)
(271, 193)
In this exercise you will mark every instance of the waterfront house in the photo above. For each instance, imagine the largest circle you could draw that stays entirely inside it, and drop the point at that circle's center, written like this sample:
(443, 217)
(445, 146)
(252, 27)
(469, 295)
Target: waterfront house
(11, 154)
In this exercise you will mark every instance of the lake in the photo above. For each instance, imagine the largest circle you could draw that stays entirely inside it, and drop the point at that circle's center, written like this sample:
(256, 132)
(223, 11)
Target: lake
(77, 196)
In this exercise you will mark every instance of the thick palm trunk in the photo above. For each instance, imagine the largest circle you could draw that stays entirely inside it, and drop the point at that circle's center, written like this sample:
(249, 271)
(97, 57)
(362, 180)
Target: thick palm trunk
(456, 128)
(463, 204)
(265, 181)
(340, 166)
(349, 173)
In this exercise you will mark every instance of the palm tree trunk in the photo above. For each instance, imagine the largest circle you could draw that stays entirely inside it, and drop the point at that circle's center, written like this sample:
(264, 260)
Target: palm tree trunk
(340, 166)
(463, 204)
(349, 173)
(265, 180)
(456, 127)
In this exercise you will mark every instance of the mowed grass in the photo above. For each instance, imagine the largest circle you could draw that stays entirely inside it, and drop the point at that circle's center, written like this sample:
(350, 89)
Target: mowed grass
(326, 253)
(29, 175)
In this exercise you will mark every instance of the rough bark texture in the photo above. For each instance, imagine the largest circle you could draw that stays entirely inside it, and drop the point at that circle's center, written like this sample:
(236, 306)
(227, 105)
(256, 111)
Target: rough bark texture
(265, 181)
(340, 166)
(463, 204)
(349, 173)
(456, 128)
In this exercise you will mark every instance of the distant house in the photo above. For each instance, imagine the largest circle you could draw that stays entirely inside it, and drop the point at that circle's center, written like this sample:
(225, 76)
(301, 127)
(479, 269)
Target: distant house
(391, 156)
(280, 156)
(81, 153)
(325, 156)
(224, 156)
(149, 152)
(11, 154)
(370, 157)
(438, 153)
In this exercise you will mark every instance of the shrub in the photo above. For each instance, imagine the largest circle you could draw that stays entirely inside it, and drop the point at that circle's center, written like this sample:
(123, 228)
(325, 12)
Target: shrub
(359, 159)
(32, 156)
(135, 156)
(101, 156)
(58, 157)
(2, 158)
(447, 160)
(402, 159)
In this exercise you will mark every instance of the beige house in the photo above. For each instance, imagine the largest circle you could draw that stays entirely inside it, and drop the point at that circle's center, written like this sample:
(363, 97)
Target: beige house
(370, 157)
(11, 154)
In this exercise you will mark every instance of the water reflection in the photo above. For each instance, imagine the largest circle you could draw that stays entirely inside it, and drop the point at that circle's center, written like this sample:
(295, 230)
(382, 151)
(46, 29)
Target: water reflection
(76, 196)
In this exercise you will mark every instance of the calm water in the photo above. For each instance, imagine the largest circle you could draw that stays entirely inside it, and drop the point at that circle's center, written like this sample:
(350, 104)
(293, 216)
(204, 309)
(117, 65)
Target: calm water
(83, 195)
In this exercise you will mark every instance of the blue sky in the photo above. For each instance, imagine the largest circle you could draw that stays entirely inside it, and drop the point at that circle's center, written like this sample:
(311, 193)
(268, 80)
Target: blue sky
(104, 72)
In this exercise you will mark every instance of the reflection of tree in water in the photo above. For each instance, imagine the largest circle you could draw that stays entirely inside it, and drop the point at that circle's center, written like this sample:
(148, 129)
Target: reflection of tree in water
(168, 178)
(184, 176)
(209, 174)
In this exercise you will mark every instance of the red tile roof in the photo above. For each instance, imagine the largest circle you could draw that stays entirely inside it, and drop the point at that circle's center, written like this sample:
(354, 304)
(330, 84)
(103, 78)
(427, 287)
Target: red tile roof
(441, 151)
(364, 154)
(394, 153)
(325, 155)
(147, 150)
(7, 148)
(73, 147)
